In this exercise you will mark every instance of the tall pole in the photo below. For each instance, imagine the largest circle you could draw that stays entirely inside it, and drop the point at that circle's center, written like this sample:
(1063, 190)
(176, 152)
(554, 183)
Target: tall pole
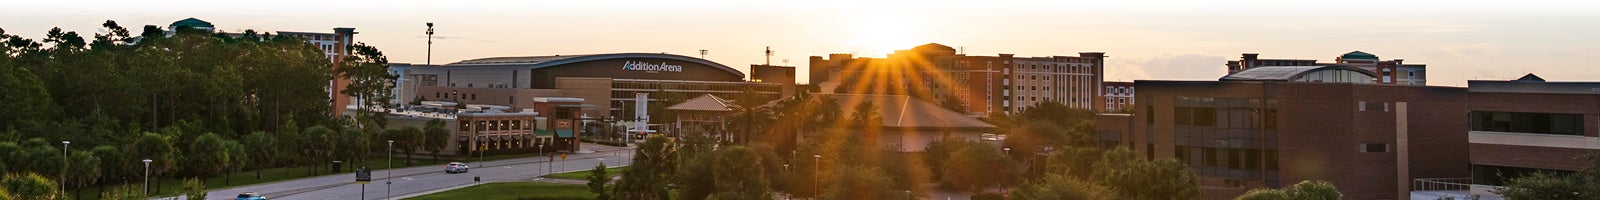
(480, 152)
(387, 184)
(815, 192)
(146, 177)
(64, 165)
(430, 43)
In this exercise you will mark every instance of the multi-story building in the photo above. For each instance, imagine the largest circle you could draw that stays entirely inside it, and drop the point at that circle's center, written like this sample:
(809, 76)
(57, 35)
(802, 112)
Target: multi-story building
(1119, 96)
(609, 83)
(1393, 72)
(980, 84)
(1269, 127)
(1529, 125)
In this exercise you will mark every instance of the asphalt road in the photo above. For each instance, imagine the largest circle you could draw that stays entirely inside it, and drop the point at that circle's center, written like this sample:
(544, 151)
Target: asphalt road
(420, 180)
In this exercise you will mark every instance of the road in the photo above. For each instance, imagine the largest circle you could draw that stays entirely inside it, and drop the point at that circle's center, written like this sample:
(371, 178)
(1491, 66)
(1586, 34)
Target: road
(428, 179)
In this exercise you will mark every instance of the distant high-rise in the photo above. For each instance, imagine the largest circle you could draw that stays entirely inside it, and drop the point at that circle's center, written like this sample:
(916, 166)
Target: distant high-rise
(979, 84)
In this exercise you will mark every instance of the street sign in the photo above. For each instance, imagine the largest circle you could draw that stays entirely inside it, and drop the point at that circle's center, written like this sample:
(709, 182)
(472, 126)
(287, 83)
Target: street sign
(563, 156)
(363, 175)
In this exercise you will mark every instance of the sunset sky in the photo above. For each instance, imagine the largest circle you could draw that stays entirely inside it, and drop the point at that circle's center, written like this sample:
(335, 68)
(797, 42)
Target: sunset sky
(1183, 40)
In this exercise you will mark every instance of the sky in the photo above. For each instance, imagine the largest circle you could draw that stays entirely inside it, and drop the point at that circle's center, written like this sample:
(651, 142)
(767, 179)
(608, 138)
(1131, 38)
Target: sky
(1145, 40)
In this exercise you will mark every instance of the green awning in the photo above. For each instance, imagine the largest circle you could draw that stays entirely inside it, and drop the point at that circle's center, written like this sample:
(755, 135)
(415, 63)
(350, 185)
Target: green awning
(537, 132)
(564, 133)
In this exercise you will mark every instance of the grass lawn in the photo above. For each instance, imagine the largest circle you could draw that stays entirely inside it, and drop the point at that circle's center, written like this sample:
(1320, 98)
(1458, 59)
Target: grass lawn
(584, 175)
(513, 191)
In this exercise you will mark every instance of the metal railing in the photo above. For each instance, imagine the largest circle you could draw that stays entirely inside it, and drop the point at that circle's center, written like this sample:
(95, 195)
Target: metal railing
(1441, 184)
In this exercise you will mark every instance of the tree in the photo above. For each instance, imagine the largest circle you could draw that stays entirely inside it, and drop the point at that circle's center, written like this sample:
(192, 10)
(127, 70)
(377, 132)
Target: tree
(207, 155)
(155, 147)
(370, 81)
(1056, 186)
(1305, 190)
(29, 186)
(238, 157)
(413, 138)
(859, 182)
(1550, 185)
(86, 172)
(1134, 178)
(438, 136)
(26, 98)
(653, 164)
(737, 172)
(597, 182)
(953, 104)
(111, 160)
(977, 168)
(193, 188)
(315, 142)
(262, 150)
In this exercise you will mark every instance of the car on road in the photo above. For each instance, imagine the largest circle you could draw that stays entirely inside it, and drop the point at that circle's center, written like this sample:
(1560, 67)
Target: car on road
(250, 196)
(455, 167)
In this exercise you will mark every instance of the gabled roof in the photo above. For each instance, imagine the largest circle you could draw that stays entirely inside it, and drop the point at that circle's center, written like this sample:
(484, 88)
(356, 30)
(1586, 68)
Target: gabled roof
(1359, 55)
(192, 22)
(905, 112)
(705, 102)
(1530, 78)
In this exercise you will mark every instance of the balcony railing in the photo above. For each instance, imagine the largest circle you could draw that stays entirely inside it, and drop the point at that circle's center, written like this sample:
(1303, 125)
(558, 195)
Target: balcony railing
(1458, 188)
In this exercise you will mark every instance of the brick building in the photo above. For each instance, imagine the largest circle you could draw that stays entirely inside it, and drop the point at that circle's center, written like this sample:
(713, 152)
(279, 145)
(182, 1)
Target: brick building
(1118, 96)
(1530, 125)
(980, 84)
(1271, 127)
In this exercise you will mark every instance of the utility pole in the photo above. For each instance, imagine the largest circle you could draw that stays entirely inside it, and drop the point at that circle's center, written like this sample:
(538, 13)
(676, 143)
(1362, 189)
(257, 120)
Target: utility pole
(703, 53)
(769, 55)
(430, 43)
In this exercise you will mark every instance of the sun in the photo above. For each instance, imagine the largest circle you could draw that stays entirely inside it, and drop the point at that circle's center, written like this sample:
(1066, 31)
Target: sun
(882, 35)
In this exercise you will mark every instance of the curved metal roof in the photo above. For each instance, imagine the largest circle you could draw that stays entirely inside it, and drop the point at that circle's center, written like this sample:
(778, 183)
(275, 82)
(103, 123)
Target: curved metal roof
(1285, 73)
(1359, 55)
(536, 62)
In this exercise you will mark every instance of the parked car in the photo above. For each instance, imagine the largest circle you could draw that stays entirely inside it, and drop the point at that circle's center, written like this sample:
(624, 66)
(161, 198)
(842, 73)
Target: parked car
(455, 167)
(250, 196)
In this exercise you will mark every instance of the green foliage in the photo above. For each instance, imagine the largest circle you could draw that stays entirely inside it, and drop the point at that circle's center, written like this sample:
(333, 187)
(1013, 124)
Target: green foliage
(1584, 184)
(438, 136)
(1033, 136)
(653, 165)
(29, 186)
(366, 69)
(978, 168)
(859, 182)
(1134, 178)
(1305, 190)
(193, 188)
(598, 180)
(1056, 186)
(209, 150)
(737, 172)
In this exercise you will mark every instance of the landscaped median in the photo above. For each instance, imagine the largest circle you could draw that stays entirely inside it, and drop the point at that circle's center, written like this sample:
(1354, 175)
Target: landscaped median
(584, 175)
(514, 191)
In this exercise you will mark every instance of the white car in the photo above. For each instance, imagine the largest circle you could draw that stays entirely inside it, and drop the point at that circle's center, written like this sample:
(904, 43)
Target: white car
(455, 167)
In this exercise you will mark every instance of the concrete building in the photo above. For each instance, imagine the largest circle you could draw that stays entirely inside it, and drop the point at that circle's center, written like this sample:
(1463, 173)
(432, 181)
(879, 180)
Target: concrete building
(1118, 96)
(1392, 72)
(980, 84)
(608, 82)
(1269, 127)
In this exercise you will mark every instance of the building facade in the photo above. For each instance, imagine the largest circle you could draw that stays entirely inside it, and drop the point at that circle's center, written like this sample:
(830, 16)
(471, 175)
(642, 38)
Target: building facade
(1272, 127)
(1118, 96)
(978, 84)
(1391, 72)
(607, 82)
(1529, 125)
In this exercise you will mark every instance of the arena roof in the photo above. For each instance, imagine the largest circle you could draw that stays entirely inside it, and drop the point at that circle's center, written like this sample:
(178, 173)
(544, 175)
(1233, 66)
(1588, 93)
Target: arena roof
(1284, 73)
(536, 62)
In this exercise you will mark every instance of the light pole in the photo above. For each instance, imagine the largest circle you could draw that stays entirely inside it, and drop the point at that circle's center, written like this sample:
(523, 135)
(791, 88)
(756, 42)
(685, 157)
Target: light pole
(146, 177)
(430, 43)
(480, 151)
(387, 184)
(817, 163)
(64, 166)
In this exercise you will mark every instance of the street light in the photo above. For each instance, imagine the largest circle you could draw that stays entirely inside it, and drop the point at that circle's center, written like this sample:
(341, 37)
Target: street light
(64, 165)
(387, 183)
(146, 176)
(815, 192)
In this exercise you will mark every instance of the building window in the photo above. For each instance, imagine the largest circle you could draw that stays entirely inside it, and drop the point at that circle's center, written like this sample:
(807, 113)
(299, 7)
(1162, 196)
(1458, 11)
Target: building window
(1541, 123)
(1374, 148)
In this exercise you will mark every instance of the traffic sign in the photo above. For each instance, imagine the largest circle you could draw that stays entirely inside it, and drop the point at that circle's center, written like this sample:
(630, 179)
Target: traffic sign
(563, 156)
(363, 175)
